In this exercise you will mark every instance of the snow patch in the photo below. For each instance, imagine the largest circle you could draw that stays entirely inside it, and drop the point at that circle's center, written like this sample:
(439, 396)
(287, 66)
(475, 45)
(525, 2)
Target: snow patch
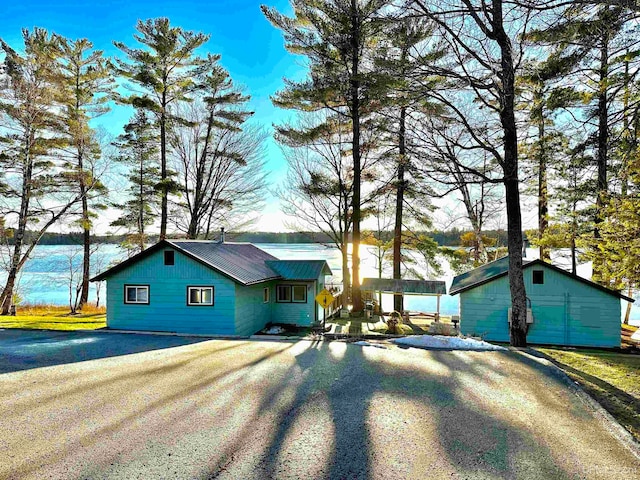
(275, 330)
(362, 343)
(448, 343)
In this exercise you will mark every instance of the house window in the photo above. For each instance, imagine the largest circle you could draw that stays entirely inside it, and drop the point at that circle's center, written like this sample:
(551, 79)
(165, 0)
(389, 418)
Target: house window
(538, 277)
(300, 293)
(200, 296)
(283, 293)
(265, 295)
(169, 257)
(291, 293)
(136, 294)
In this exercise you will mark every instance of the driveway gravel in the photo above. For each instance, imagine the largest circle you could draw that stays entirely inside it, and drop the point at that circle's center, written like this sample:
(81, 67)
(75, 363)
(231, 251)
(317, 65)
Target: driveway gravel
(141, 406)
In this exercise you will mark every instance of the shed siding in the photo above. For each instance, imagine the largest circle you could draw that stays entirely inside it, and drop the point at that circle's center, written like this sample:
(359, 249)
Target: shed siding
(252, 314)
(301, 314)
(565, 311)
(167, 309)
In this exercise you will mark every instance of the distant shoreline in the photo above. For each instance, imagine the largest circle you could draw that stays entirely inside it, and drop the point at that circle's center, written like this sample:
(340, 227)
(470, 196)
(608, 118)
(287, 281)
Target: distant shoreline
(449, 237)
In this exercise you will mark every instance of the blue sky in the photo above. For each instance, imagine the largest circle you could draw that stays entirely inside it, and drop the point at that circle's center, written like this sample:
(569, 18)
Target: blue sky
(252, 50)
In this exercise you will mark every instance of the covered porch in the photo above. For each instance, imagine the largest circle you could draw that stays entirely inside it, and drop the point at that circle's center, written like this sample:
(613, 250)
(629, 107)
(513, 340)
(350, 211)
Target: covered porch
(374, 286)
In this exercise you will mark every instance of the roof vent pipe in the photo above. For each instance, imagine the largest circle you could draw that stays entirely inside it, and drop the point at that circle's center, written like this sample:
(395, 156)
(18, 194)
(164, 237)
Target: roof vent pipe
(221, 235)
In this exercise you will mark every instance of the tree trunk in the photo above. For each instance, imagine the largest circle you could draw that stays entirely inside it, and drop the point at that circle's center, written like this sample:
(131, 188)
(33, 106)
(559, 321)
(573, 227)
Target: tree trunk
(603, 140)
(518, 330)
(86, 240)
(543, 203)
(163, 169)
(346, 280)
(355, 145)
(398, 300)
(628, 311)
(7, 292)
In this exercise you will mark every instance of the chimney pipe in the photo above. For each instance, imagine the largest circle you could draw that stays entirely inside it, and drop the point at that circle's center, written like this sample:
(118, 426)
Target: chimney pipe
(221, 234)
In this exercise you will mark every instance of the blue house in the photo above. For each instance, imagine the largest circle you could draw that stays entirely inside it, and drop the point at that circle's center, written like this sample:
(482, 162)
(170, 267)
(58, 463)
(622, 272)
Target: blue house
(564, 309)
(208, 287)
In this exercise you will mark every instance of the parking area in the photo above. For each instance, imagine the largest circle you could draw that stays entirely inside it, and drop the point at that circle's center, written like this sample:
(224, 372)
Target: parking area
(96, 405)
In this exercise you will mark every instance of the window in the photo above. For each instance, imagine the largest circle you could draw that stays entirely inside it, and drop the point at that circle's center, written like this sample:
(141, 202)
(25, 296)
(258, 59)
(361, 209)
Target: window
(265, 295)
(169, 257)
(300, 293)
(136, 294)
(291, 293)
(200, 296)
(538, 277)
(283, 293)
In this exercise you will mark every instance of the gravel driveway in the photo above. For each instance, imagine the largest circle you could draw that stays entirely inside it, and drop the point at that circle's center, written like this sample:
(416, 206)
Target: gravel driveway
(128, 406)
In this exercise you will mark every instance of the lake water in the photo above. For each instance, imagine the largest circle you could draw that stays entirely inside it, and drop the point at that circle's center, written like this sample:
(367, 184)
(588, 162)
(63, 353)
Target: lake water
(45, 277)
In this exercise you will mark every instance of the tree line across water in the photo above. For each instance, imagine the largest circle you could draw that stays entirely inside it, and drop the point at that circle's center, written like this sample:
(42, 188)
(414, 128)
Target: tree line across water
(453, 237)
(404, 103)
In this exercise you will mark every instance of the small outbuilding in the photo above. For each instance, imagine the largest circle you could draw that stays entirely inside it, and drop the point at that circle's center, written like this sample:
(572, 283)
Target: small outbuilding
(563, 309)
(211, 287)
(403, 287)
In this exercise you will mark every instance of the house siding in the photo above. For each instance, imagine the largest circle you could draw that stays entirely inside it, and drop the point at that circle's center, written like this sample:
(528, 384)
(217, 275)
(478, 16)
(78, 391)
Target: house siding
(565, 311)
(167, 310)
(252, 314)
(301, 314)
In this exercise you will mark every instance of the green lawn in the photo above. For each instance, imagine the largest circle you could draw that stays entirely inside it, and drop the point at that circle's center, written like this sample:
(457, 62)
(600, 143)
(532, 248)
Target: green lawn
(55, 321)
(613, 379)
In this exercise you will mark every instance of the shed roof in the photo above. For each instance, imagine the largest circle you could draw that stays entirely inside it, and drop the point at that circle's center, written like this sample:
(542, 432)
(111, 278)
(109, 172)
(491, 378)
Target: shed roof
(416, 287)
(500, 268)
(299, 269)
(243, 263)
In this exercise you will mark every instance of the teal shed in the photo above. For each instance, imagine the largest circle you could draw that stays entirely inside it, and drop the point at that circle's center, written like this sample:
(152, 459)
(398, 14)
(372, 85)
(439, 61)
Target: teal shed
(207, 287)
(564, 309)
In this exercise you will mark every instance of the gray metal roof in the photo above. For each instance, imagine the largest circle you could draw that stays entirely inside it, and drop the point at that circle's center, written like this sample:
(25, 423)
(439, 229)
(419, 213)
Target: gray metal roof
(299, 269)
(242, 262)
(416, 287)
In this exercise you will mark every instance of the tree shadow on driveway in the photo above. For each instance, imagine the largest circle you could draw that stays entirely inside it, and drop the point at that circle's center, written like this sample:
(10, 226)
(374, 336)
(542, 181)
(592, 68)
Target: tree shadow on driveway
(392, 420)
(24, 350)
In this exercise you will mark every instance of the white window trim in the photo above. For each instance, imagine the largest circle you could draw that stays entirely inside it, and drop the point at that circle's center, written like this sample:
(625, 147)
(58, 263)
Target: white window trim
(136, 301)
(199, 287)
(266, 293)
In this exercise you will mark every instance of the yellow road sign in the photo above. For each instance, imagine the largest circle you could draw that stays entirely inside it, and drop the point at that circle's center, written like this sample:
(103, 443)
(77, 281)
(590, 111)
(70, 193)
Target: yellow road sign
(324, 298)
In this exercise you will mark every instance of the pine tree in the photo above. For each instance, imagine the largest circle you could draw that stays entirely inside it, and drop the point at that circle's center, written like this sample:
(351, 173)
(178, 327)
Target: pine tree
(83, 89)
(338, 39)
(164, 72)
(594, 35)
(138, 150)
(401, 56)
(543, 97)
(27, 108)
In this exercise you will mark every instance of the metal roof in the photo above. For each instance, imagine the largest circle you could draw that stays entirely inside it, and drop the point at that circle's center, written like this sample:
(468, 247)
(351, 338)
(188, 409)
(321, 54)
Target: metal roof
(416, 287)
(243, 263)
(500, 268)
(299, 269)
(480, 275)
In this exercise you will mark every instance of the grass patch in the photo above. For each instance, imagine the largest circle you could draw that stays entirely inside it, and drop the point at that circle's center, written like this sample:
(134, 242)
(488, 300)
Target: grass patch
(613, 379)
(53, 317)
(381, 327)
